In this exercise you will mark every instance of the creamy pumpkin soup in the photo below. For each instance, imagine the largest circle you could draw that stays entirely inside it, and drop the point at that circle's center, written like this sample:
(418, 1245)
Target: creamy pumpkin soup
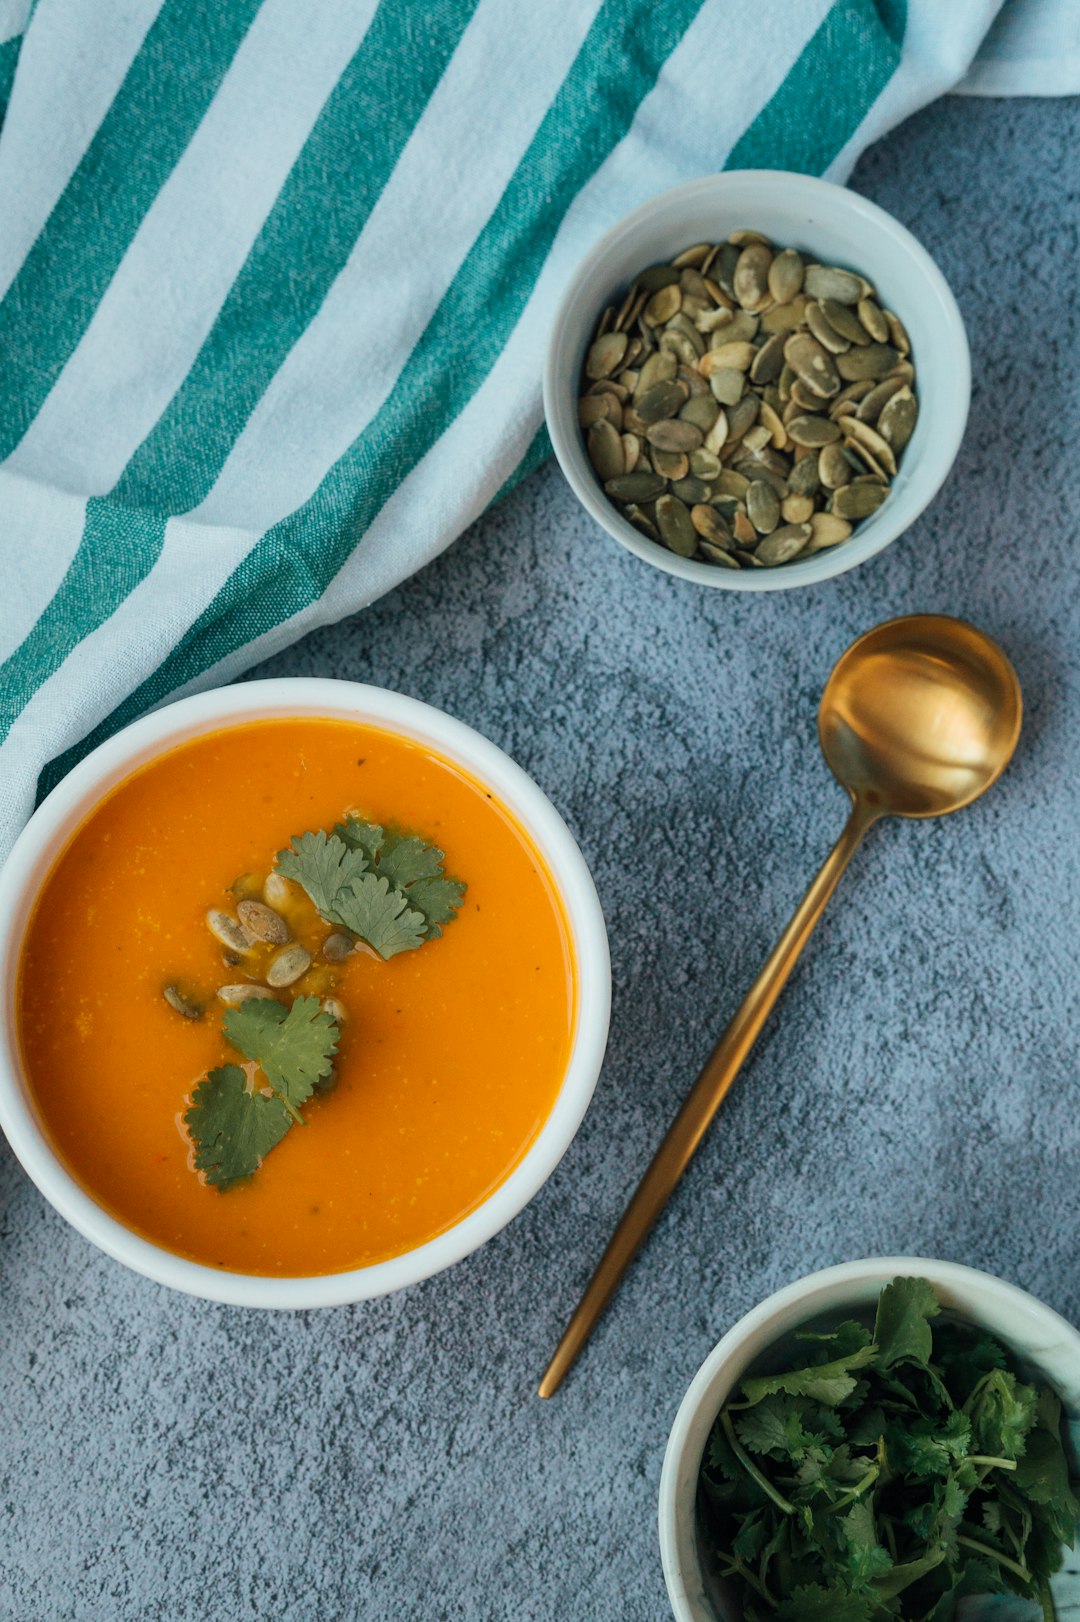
(296, 997)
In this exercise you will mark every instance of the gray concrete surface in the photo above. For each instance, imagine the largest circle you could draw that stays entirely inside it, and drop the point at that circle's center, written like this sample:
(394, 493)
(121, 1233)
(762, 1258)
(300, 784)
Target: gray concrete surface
(162, 1459)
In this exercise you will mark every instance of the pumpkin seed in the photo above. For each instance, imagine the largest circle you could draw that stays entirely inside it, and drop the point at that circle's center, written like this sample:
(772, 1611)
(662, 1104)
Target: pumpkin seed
(873, 320)
(186, 1006)
(857, 500)
(783, 545)
(833, 467)
(743, 530)
(665, 303)
(786, 275)
(741, 417)
(826, 529)
(813, 430)
(717, 554)
(843, 320)
(897, 334)
(227, 931)
(823, 330)
(262, 923)
(709, 525)
(696, 255)
(635, 487)
(641, 521)
(867, 438)
(336, 1009)
(897, 420)
(825, 281)
(727, 385)
(717, 434)
(594, 408)
(742, 328)
(605, 450)
(768, 418)
(768, 361)
(676, 530)
(233, 996)
(785, 317)
(660, 367)
(803, 479)
(670, 464)
(871, 404)
(751, 280)
(813, 366)
(702, 410)
(762, 507)
(337, 946)
(631, 446)
(873, 361)
(703, 464)
(662, 400)
(797, 509)
(731, 484)
(737, 355)
(605, 355)
(288, 965)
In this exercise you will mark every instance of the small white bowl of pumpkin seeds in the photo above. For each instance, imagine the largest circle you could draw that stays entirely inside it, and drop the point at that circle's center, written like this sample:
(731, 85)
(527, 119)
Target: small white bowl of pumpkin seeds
(757, 380)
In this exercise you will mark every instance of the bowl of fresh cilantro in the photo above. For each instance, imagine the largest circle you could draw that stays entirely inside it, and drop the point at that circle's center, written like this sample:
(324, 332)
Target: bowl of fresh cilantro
(891, 1438)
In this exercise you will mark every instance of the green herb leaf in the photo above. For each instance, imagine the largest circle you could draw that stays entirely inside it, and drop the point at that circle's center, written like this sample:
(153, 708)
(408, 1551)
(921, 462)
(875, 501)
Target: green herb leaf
(386, 887)
(322, 866)
(812, 1603)
(829, 1383)
(380, 915)
(864, 1558)
(902, 1328)
(232, 1127)
(294, 1046)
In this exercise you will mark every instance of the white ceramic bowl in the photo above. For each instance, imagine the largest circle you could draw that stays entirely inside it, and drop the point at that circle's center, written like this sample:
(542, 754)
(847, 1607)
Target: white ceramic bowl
(834, 225)
(1044, 1342)
(47, 831)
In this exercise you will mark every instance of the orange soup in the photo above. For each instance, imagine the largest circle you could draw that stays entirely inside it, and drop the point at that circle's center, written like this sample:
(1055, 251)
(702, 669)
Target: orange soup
(450, 1056)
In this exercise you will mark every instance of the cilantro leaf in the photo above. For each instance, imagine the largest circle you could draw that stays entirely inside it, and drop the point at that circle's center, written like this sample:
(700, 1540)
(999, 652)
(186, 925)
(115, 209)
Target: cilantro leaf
(233, 1127)
(829, 1383)
(1002, 1412)
(812, 1603)
(294, 1046)
(322, 867)
(386, 887)
(380, 915)
(864, 1558)
(902, 1327)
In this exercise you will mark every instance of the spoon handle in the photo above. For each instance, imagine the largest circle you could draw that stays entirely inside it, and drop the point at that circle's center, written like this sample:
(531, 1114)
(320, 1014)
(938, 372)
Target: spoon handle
(702, 1102)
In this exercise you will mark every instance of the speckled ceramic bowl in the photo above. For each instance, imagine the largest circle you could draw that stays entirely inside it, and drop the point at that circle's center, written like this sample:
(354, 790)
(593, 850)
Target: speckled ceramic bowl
(1043, 1342)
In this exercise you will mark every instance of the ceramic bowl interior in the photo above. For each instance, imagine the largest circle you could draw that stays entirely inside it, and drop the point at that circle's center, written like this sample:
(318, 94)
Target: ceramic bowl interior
(1045, 1345)
(826, 222)
(71, 801)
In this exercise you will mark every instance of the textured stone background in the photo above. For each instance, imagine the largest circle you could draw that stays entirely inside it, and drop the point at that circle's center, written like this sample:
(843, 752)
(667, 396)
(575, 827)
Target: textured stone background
(162, 1459)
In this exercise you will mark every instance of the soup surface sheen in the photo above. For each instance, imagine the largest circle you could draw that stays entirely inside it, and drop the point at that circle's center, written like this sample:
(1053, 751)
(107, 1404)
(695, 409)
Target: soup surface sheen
(452, 1055)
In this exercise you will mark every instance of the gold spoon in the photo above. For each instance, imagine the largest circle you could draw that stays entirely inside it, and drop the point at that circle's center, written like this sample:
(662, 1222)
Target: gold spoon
(918, 718)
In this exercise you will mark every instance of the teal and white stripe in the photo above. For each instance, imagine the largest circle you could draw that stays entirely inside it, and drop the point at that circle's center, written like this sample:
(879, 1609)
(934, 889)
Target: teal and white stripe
(275, 287)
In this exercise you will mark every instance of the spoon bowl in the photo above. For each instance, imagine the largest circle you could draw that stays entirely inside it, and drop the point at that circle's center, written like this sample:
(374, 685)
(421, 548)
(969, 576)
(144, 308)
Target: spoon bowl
(920, 716)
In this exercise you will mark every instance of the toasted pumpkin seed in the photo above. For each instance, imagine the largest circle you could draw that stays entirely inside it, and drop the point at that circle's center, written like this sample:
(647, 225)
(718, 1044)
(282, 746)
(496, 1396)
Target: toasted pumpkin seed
(812, 430)
(671, 464)
(738, 355)
(337, 946)
(728, 385)
(768, 361)
(762, 507)
(262, 923)
(717, 554)
(797, 509)
(751, 280)
(833, 467)
(702, 410)
(662, 400)
(827, 530)
(857, 500)
(786, 275)
(185, 1006)
(606, 354)
(823, 330)
(872, 403)
(897, 333)
(228, 931)
(872, 361)
(826, 281)
(665, 302)
(842, 318)
(676, 530)
(288, 965)
(234, 996)
(873, 320)
(897, 420)
(813, 366)
(635, 487)
(605, 450)
(783, 545)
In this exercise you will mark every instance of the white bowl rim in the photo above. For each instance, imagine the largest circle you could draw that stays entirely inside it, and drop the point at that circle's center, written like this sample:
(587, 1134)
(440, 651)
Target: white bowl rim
(881, 531)
(831, 1287)
(46, 833)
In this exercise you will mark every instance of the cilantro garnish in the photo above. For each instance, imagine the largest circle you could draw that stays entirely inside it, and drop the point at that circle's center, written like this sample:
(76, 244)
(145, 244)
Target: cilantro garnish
(386, 888)
(294, 1046)
(236, 1118)
(889, 1474)
(232, 1126)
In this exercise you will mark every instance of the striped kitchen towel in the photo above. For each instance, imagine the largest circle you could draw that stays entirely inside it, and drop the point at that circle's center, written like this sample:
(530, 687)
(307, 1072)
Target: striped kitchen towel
(275, 281)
